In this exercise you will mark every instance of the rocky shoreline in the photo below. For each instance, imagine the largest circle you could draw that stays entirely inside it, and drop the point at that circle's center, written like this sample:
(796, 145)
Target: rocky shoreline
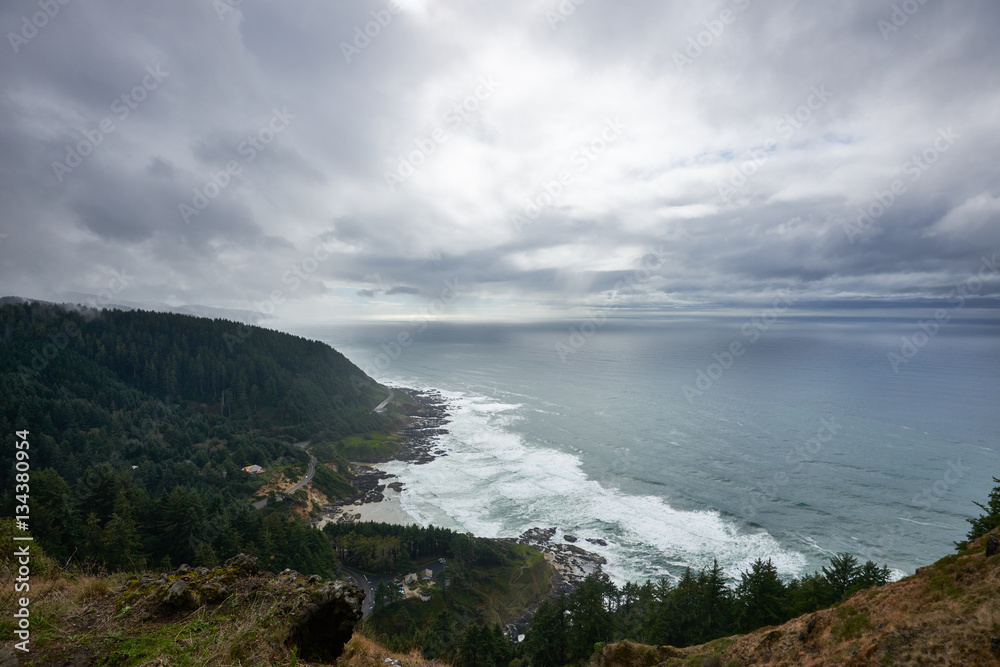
(419, 446)
(570, 565)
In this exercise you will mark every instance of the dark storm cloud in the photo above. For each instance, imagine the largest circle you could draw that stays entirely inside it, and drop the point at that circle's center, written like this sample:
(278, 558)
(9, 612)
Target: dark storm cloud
(362, 170)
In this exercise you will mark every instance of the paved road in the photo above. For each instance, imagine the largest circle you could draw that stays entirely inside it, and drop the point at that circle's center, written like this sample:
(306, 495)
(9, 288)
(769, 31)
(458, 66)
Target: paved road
(360, 580)
(369, 582)
(381, 406)
(298, 485)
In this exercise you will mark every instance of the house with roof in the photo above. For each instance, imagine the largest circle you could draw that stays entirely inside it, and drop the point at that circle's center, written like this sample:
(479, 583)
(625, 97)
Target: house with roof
(253, 469)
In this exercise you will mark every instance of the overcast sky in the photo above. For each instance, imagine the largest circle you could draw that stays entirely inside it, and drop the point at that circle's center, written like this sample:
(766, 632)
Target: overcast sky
(274, 156)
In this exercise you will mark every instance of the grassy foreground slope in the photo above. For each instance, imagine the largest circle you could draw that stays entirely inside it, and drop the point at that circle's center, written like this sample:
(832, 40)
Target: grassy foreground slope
(947, 613)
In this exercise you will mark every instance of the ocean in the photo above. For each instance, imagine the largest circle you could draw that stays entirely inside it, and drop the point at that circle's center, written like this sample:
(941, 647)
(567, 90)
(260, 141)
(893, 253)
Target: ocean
(679, 441)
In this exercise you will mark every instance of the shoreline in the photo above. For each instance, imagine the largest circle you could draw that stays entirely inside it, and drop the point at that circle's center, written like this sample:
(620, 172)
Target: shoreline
(379, 492)
(379, 499)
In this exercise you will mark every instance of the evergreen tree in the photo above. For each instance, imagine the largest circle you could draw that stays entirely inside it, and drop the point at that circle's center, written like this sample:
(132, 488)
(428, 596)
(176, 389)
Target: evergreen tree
(714, 605)
(122, 544)
(841, 574)
(206, 556)
(592, 622)
(761, 597)
(546, 642)
(986, 522)
(869, 575)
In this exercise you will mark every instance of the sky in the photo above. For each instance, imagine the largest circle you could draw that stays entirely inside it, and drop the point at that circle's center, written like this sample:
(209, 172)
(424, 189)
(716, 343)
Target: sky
(501, 160)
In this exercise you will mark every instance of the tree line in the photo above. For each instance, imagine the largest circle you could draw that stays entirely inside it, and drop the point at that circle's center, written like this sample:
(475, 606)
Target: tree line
(140, 424)
(390, 548)
(697, 608)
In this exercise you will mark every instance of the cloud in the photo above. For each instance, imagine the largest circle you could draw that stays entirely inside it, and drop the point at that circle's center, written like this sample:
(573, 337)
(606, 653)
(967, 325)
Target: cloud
(745, 151)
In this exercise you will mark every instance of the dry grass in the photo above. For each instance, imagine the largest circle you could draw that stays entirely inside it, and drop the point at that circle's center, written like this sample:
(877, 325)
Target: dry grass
(89, 588)
(944, 614)
(363, 652)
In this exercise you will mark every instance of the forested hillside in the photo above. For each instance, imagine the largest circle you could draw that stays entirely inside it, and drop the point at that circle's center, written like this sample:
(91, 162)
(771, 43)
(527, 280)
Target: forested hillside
(140, 423)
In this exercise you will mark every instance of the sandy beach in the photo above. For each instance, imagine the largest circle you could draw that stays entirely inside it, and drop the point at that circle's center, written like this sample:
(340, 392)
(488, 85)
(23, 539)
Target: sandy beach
(388, 510)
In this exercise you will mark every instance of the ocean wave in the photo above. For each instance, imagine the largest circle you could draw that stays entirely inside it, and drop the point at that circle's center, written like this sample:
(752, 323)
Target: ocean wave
(493, 482)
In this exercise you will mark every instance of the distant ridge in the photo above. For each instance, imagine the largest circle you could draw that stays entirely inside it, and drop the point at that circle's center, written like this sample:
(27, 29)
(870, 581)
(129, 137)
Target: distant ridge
(82, 301)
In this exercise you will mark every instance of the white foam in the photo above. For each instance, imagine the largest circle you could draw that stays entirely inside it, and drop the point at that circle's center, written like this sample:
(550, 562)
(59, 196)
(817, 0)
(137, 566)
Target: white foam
(493, 483)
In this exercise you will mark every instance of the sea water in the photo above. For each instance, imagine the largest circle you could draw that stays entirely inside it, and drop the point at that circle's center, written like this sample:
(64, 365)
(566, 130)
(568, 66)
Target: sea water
(676, 447)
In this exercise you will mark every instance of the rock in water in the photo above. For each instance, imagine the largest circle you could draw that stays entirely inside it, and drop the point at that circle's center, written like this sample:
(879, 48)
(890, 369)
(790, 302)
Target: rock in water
(992, 546)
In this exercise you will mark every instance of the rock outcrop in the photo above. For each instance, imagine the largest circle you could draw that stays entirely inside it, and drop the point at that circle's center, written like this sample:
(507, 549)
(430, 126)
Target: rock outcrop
(316, 617)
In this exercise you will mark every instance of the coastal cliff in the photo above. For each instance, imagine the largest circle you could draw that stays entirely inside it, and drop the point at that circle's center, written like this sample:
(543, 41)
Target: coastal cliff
(944, 614)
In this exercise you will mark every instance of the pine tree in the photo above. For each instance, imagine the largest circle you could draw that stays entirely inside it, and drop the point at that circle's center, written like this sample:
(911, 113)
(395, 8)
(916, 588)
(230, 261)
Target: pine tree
(988, 521)
(206, 556)
(715, 607)
(122, 543)
(545, 643)
(841, 574)
(761, 597)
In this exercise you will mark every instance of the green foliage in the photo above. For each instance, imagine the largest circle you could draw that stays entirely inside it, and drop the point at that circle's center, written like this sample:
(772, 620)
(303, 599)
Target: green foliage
(478, 595)
(986, 522)
(849, 623)
(762, 598)
(484, 646)
(700, 608)
(841, 574)
(368, 448)
(379, 547)
(331, 484)
(386, 593)
(141, 422)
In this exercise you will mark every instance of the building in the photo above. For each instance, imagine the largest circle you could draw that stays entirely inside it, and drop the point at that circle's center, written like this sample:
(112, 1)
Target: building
(253, 470)
(426, 574)
(410, 578)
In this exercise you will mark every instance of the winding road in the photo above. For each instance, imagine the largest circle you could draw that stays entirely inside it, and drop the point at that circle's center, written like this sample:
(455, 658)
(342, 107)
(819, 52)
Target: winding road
(312, 459)
(369, 582)
(381, 406)
(360, 580)
(299, 484)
